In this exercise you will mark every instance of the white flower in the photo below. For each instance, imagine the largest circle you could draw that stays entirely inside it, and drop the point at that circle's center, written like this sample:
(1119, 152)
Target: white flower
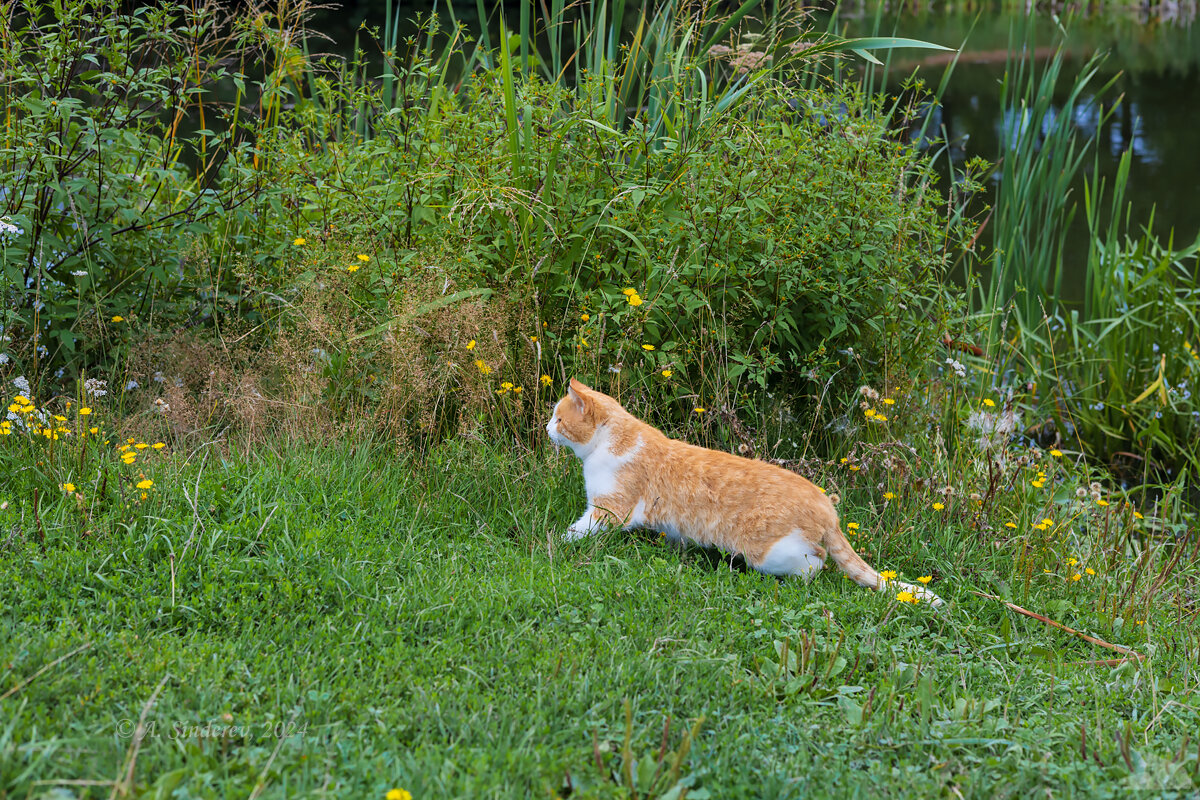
(95, 387)
(79, 273)
(22, 384)
(3, 358)
(129, 387)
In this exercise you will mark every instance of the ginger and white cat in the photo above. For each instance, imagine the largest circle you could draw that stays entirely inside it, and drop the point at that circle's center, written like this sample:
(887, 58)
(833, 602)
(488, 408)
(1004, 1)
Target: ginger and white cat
(637, 477)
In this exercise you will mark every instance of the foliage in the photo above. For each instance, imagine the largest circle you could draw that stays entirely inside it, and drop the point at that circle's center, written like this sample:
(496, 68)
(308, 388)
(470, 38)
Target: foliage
(109, 170)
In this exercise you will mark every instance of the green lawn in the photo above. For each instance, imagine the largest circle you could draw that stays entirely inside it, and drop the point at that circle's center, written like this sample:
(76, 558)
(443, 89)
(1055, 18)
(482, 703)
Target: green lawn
(417, 624)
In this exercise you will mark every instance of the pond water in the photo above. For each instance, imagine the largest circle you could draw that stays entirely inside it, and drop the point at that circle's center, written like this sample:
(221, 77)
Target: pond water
(1154, 56)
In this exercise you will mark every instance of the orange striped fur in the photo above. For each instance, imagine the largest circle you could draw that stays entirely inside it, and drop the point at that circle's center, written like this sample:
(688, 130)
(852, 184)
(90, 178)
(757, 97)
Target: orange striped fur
(637, 477)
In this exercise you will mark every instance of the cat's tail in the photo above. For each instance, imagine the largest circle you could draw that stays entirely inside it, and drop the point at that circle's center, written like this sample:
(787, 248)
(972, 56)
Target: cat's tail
(851, 563)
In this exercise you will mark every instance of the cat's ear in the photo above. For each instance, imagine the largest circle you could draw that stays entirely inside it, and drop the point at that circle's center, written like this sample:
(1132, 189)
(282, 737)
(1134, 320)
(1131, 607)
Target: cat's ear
(580, 395)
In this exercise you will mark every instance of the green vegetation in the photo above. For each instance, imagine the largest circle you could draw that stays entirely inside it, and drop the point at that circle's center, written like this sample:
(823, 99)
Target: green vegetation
(416, 623)
(280, 332)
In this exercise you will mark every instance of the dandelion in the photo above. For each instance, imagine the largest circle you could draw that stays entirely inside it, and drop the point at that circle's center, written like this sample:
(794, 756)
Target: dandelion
(145, 484)
(363, 258)
(666, 373)
(5, 428)
(518, 389)
(889, 496)
(925, 579)
(1056, 453)
(635, 300)
(854, 468)
(585, 317)
(889, 401)
(647, 347)
(1138, 515)
(870, 412)
(989, 402)
(141, 445)
(68, 487)
(1012, 525)
(483, 368)
(907, 597)
(299, 241)
(1047, 521)
(1090, 571)
(398, 794)
(118, 318)
(880, 418)
(93, 431)
(352, 268)
(84, 411)
(938, 506)
(1076, 576)
(851, 526)
(1102, 503)
(547, 380)
(471, 345)
(888, 575)
(699, 409)
(129, 458)
(1072, 562)
(1039, 483)
(628, 292)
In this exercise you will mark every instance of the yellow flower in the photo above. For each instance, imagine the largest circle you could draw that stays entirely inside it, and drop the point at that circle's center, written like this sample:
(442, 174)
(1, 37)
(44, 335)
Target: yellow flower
(585, 317)
(399, 794)
(666, 373)
(1047, 521)
(159, 445)
(93, 430)
(298, 241)
(118, 318)
(1012, 525)
(907, 597)
(938, 506)
(506, 385)
(1072, 562)
(145, 484)
(83, 412)
(471, 345)
(518, 389)
(1056, 453)
(5, 428)
(1102, 503)
(888, 574)
(547, 380)
(870, 412)
(889, 496)
(881, 418)
(483, 368)
(1039, 483)
(363, 258)
(851, 526)
(1090, 571)
(143, 495)
(925, 579)
(129, 458)
(352, 268)
(22, 399)
(887, 401)
(647, 347)
(635, 300)
(989, 402)
(629, 292)
(699, 409)
(68, 487)
(141, 445)
(1076, 576)
(1138, 515)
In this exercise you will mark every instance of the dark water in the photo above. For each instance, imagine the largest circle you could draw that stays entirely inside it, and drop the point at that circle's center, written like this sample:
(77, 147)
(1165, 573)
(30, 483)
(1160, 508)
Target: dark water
(1156, 67)
(1155, 60)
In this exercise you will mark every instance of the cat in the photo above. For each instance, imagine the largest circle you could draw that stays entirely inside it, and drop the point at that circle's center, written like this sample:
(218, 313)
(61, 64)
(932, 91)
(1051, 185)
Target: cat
(637, 477)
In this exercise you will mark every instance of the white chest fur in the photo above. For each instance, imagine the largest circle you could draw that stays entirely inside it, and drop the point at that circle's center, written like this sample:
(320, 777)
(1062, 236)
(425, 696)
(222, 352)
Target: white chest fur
(601, 467)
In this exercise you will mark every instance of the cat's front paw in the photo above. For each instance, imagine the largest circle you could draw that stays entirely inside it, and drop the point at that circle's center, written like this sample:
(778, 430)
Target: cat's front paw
(580, 528)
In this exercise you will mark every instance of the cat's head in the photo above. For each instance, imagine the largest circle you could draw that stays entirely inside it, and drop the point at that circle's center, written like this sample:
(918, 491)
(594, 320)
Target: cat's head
(576, 417)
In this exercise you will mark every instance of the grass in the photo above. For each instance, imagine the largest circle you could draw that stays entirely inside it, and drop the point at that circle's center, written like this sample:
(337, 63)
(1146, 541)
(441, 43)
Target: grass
(415, 622)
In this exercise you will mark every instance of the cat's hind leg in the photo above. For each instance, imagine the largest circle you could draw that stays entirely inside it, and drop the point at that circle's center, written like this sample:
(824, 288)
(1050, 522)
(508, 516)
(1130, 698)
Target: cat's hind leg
(794, 554)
